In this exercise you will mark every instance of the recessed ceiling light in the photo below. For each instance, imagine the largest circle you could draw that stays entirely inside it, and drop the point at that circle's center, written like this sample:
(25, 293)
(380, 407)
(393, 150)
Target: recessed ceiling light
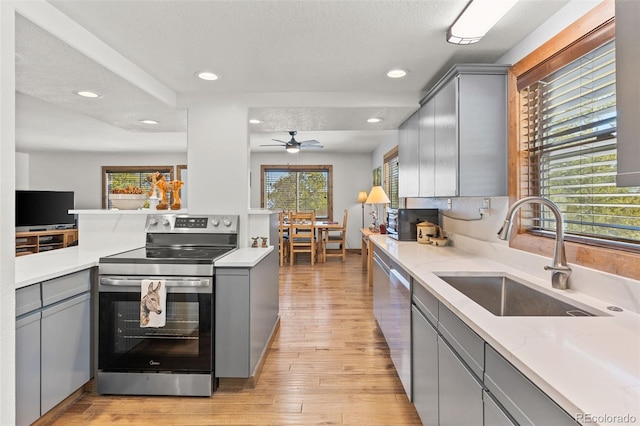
(397, 73)
(255, 121)
(149, 121)
(206, 75)
(374, 120)
(87, 94)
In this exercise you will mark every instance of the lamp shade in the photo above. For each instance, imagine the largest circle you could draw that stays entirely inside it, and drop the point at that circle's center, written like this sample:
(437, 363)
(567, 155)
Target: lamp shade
(377, 196)
(362, 196)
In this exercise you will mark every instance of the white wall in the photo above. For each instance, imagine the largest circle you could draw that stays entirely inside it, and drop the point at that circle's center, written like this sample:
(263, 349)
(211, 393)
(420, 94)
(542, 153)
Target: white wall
(7, 212)
(82, 172)
(351, 174)
(22, 170)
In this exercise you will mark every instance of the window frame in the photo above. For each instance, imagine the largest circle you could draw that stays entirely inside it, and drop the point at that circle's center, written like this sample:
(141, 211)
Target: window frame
(129, 169)
(301, 168)
(576, 39)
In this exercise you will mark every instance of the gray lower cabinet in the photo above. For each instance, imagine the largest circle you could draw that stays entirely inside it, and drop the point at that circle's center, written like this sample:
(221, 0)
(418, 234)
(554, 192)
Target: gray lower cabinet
(28, 369)
(246, 312)
(524, 401)
(425, 368)
(459, 391)
(53, 343)
(459, 379)
(66, 350)
(494, 415)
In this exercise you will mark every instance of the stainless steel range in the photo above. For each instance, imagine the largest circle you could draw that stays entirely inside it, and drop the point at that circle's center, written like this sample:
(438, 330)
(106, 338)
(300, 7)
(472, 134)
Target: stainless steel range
(176, 358)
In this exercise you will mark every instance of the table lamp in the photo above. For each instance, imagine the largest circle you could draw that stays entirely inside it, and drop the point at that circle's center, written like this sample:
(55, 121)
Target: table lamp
(377, 196)
(362, 198)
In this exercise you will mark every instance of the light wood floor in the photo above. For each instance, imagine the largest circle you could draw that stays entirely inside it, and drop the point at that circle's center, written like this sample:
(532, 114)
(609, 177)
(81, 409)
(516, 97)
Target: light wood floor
(328, 364)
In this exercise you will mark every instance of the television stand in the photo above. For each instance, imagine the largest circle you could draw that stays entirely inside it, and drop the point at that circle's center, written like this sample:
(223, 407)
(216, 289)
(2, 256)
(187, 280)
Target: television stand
(40, 241)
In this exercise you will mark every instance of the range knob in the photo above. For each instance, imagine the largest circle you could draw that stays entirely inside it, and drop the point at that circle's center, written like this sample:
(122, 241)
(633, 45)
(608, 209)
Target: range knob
(215, 222)
(153, 221)
(226, 221)
(166, 222)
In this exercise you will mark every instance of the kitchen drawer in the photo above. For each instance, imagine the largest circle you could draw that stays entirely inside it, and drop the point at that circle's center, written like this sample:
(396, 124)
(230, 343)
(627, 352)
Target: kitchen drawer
(468, 345)
(426, 302)
(65, 287)
(524, 401)
(28, 299)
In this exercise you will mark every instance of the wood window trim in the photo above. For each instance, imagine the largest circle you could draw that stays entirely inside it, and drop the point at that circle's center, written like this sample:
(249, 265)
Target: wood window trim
(126, 169)
(391, 154)
(599, 22)
(311, 167)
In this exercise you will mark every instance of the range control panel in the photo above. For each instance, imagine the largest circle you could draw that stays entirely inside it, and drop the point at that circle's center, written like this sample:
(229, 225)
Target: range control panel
(180, 223)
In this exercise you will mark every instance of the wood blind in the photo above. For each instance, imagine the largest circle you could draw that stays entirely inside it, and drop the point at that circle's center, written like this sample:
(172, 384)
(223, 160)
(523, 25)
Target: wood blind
(391, 177)
(568, 145)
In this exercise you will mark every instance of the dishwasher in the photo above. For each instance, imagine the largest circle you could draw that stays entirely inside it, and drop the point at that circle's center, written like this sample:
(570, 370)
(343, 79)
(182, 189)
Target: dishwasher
(392, 309)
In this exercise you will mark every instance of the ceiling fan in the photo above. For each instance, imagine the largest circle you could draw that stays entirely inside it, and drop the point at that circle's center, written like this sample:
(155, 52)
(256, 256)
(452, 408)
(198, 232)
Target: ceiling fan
(293, 146)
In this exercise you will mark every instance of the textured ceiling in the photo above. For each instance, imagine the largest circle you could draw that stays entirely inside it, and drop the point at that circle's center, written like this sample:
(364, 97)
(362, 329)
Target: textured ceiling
(307, 47)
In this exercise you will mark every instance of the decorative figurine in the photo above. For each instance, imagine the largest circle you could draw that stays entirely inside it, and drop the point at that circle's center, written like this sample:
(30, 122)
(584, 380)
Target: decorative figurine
(255, 242)
(264, 242)
(167, 188)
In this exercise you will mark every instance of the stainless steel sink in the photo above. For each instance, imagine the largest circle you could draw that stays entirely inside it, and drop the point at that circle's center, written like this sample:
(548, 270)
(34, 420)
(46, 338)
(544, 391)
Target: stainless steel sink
(504, 296)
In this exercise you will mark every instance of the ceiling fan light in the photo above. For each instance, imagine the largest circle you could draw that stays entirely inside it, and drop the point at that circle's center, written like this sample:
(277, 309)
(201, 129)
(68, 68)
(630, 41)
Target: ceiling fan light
(292, 149)
(477, 19)
(374, 120)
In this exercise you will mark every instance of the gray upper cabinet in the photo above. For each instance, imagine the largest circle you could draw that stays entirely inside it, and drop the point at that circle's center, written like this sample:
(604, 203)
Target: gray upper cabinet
(408, 157)
(427, 149)
(462, 137)
(628, 91)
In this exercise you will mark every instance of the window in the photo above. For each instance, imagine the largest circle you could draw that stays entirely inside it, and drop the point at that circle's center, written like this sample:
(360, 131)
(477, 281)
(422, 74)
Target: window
(135, 176)
(568, 140)
(391, 177)
(298, 188)
(563, 146)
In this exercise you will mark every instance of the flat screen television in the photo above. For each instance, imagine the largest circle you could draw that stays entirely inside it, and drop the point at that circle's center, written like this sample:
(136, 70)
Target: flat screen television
(44, 210)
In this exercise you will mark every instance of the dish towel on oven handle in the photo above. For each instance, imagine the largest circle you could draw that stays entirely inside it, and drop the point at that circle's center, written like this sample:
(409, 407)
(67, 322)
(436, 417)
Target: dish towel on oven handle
(153, 303)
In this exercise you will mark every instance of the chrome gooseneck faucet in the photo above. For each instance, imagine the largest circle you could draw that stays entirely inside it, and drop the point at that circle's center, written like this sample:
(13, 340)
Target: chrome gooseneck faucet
(561, 272)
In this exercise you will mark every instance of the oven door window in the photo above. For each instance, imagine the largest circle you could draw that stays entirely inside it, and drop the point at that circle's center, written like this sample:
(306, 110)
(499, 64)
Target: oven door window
(184, 344)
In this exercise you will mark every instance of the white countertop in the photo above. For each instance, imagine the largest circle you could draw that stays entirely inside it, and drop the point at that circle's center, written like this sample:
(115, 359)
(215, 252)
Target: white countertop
(588, 365)
(244, 257)
(35, 268)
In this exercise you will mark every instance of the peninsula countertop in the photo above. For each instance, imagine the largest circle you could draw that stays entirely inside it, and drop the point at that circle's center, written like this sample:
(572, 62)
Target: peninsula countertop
(590, 366)
(35, 268)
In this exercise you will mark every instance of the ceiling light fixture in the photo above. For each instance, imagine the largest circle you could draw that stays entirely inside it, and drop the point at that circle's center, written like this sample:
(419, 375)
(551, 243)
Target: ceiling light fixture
(397, 73)
(477, 19)
(206, 75)
(292, 149)
(87, 94)
(255, 121)
(374, 120)
(149, 121)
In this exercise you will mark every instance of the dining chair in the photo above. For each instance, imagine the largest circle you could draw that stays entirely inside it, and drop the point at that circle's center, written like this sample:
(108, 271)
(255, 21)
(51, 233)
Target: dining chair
(302, 235)
(283, 229)
(336, 236)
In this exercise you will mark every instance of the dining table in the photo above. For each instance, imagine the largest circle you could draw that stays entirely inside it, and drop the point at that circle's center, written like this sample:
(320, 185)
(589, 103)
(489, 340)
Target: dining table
(321, 227)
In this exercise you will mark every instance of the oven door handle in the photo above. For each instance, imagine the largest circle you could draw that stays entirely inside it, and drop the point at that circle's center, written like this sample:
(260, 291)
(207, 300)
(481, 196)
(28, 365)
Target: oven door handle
(131, 282)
